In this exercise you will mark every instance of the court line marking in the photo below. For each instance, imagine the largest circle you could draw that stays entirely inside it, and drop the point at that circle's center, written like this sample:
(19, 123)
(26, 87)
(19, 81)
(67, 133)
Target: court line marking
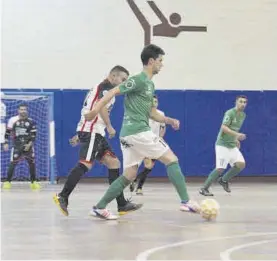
(143, 256)
(225, 256)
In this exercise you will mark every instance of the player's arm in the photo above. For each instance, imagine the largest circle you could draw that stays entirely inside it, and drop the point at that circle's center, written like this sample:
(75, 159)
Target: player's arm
(106, 118)
(105, 115)
(129, 86)
(156, 116)
(8, 133)
(225, 127)
(102, 103)
(32, 136)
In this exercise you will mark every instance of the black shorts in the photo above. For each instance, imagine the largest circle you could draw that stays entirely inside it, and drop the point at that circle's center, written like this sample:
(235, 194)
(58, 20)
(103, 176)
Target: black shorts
(17, 154)
(93, 146)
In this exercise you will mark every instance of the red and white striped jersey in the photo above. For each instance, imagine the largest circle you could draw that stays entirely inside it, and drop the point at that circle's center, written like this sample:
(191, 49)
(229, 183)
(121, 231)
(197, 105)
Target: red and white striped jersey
(97, 125)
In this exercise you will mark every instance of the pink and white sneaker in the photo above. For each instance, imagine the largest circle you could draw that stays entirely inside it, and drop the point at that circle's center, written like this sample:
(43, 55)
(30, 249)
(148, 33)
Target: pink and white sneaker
(102, 213)
(190, 206)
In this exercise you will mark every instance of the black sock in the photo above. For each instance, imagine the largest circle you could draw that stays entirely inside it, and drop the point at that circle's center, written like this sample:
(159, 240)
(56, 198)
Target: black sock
(11, 171)
(113, 175)
(73, 178)
(32, 168)
(142, 177)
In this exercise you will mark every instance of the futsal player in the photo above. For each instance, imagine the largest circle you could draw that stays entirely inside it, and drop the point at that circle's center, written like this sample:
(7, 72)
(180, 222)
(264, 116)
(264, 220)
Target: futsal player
(137, 139)
(227, 148)
(23, 131)
(159, 129)
(94, 145)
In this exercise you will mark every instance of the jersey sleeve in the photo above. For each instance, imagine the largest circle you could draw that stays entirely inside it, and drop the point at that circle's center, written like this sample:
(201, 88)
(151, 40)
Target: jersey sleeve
(131, 85)
(228, 117)
(10, 123)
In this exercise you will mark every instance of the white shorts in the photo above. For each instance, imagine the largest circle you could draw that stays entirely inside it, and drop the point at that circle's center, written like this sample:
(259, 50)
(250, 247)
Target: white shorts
(225, 156)
(142, 145)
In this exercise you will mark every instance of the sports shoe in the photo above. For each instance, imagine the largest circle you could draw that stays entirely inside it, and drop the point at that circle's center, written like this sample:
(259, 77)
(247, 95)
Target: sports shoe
(190, 206)
(7, 185)
(139, 192)
(62, 203)
(35, 185)
(205, 192)
(225, 185)
(102, 213)
(129, 207)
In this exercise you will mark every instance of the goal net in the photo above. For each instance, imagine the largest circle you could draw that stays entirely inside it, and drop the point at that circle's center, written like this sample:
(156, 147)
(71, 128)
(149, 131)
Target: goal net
(40, 109)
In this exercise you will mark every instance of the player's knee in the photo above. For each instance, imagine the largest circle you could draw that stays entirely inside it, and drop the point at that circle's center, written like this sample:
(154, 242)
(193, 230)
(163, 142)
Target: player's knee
(172, 158)
(85, 165)
(148, 163)
(111, 162)
(240, 165)
(168, 158)
(219, 170)
(130, 173)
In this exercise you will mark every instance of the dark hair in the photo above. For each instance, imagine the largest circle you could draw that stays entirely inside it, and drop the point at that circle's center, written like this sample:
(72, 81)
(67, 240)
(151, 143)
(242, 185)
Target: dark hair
(119, 68)
(150, 51)
(22, 105)
(241, 96)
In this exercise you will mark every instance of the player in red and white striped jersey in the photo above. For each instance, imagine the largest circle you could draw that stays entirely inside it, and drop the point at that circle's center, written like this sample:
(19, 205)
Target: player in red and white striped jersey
(94, 145)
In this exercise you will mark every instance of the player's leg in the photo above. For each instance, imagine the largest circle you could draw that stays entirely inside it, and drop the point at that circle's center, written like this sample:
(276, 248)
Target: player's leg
(131, 159)
(15, 157)
(30, 158)
(88, 145)
(110, 160)
(151, 146)
(134, 182)
(142, 176)
(222, 161)
(237, 163)
(175, 175)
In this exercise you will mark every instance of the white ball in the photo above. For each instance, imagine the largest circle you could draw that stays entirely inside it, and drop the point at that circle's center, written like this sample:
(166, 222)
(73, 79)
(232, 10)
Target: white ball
(209, 209)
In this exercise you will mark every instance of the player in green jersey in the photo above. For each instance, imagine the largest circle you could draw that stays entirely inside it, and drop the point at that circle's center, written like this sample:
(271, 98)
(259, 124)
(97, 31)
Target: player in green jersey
(227, 148)
(137, 139)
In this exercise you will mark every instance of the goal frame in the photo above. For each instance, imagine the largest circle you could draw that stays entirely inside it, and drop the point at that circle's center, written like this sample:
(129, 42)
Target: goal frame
(51, 125)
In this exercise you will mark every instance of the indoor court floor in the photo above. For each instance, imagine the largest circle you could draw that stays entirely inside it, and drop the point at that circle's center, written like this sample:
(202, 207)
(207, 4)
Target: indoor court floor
(246, 229)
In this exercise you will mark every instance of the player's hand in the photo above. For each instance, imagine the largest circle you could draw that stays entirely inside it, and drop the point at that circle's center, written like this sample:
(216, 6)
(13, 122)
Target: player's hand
(241, 136)
(27, 146)
(6, 147)
(238, 144)
(91, 115)
(111, 131)
(74, 141)
(175, 124)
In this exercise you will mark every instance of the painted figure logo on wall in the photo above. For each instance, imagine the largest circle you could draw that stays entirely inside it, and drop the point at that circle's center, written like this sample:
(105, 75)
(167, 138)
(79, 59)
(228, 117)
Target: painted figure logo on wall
(164, 29)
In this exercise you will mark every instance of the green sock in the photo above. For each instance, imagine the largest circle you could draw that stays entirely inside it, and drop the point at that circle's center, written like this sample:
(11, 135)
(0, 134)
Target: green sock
(113, 191)
(177, 178)
(232, 172)
(211, 178)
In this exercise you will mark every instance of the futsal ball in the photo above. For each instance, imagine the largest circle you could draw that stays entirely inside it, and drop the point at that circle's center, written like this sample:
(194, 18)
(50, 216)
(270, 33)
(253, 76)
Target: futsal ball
(209, 209)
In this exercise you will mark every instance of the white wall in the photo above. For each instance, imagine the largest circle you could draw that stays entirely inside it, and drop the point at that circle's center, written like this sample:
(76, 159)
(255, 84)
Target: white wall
(73, 43)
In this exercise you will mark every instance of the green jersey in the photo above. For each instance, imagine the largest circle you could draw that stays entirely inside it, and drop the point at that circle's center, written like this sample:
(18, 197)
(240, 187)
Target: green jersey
(138, 102)
(234, 121)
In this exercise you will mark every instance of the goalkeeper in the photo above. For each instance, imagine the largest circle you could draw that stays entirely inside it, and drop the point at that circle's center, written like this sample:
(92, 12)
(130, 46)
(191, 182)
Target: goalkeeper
(23, 131)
